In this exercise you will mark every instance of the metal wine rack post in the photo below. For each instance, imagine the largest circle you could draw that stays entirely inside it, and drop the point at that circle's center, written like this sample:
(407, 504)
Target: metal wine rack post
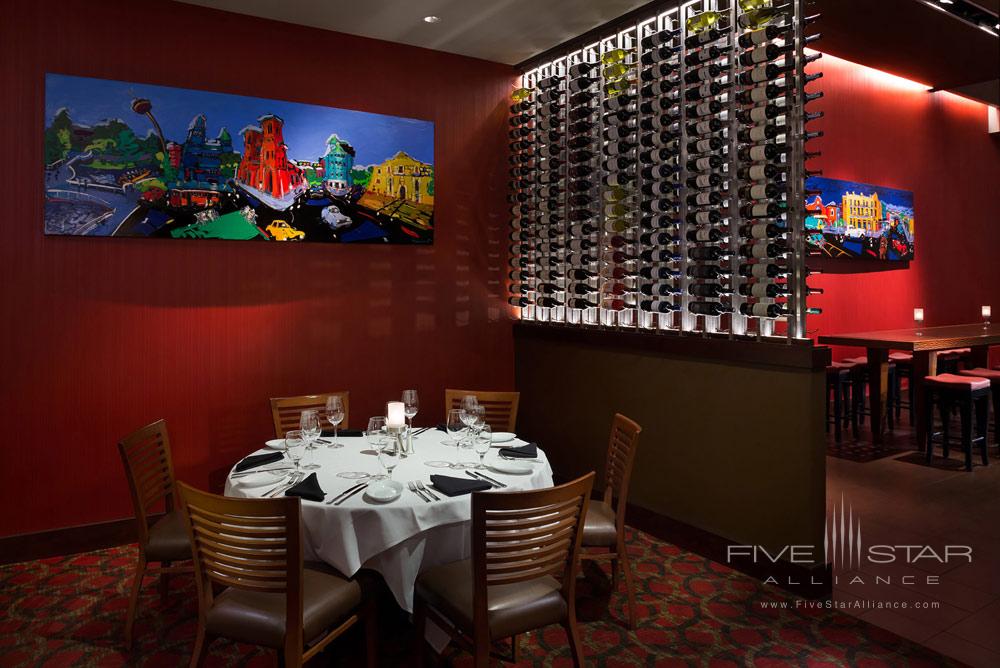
(672, 20)
(688, 320)
(795, 217)
(530, 220)
(737, 321)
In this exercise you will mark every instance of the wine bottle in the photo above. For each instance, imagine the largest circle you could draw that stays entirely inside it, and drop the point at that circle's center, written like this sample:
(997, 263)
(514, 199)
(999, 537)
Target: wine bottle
(658, 188)
(581, 155)
(519, 275)
(617, 194)
(659, 289)
(663, 88)
(520, 209)
(657, 122)
(761, 270)
(658, 255)
(760, 172)
(618, 147)
(767, 93)
(520, 235)
(657, 55)
(708, 308)
(654, 222)
(704, 163)
(705, 37)
(707, 89)
(616, 225)
(581, 69)
(622, 102)
(653, 172)
(658, 38)
(519, 301)
(659, 71)
(582, 97)
(519, 249)
(520, 262)
(763, 73)
(581, 127)
(705, 145)
(656, 306)
(618, 87)
(623, 177)
(579, 171)
(764, 53)
(662, 205)
(580, 259)
(616, 71)
(759, 17)
(549, 288)
(580, 199)
(548, 302)
(708, 253)
(709, 290)
(704, 217)
(552, 191)
(519, 132)
(656, 140)
(619, 132)
(614, 56)
(761, 210)
(519, 119)
(580, 113)
(581, 289)
(657, 239)
(761, 152)
(549, 219)
(759, 133)
(695, 58)
(710, 180)
(705, 127)
(550, 95)
(657, 273)
(708, 271)
(759, 114)
(549, 205)
(518, 197)
(705, 198)
(583, 230)
(704, 108)
(705, 235)
(760, 191)
(653, 107)
(761, 310)
(701, 22)
(657, 155)
(581, 274)
(762, 290)
(761, 251)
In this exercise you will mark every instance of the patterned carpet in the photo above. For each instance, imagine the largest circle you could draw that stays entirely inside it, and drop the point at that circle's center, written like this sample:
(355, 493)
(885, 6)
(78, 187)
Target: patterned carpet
(69, 611)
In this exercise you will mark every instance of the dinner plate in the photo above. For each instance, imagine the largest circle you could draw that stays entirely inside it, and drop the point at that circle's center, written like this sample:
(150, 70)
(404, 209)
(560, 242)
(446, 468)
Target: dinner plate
(260, 478)
(276, 444)
(503, 436)
(511, 468)
(384, 491)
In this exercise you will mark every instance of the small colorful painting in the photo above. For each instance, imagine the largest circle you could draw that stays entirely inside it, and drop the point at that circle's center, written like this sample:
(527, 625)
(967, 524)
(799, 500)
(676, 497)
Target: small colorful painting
(847, 219)
(135, 160)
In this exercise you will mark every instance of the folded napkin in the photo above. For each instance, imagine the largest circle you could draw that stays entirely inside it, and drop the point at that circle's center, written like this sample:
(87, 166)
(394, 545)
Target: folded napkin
(458, 486)
(307, 489)
(529, 451)
(346, 433)
(258, 460)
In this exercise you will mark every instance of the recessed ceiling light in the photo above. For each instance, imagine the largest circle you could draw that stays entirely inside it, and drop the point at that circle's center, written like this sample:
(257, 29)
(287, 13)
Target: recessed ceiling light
(431, 19)
(946, 2)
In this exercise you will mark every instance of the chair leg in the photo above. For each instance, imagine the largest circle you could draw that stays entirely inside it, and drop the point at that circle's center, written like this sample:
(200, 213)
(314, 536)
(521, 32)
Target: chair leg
(945, 410)
(982, 426)
(371, 635)
(164, 583)
(928, 418)
(965, 408)
(133, 599)
(897, 390)
(854, 409)
(201, 643)
(481, 650)
(614, 574)
(573, 635)
(629, 584)
(515, 652)
(890, 399)
(837, 410)
(996, 415)
(419, 630)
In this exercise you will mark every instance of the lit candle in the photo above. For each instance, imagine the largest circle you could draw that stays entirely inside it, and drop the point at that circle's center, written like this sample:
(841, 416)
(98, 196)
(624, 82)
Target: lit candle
(395, 414)
(918, 315)
(987, 312)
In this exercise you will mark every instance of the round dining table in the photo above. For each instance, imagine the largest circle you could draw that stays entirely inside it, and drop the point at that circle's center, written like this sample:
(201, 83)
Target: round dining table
(400, 538)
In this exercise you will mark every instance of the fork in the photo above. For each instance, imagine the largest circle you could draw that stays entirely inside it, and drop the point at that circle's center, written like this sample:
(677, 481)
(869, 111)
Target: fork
(423, 487)
(413, 488)
(295, 480)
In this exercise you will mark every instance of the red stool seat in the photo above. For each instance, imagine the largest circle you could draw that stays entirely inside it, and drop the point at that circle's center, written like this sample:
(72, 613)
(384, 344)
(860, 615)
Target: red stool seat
(841, 365)
(901, 357)
(955, 352)
(857, 360)
(955, 381)
(992, 374)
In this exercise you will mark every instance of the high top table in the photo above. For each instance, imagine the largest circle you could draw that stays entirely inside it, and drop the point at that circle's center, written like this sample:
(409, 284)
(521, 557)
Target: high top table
(924, 343)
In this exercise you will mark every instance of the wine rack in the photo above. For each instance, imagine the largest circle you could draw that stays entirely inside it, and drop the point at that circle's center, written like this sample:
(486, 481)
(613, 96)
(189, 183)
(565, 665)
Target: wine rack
(658, 175)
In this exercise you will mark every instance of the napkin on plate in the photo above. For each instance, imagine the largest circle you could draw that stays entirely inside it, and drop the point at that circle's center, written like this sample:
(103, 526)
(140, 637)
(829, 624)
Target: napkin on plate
(529, 451)
(458, 486)
(258, 460)
(346, 433)
(307, 489)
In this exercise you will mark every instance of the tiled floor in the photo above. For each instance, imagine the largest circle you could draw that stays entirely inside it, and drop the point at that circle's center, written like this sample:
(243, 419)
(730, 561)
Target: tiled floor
(902, 501)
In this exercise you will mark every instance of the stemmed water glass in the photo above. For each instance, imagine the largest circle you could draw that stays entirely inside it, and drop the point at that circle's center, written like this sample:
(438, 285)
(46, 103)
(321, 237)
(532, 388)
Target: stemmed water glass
(411, 404)
(293, 445)
(455, 425)
(388, 455)
(469, 406)
(335, 415)
(482, 442)
(310, 428)
(376, 436)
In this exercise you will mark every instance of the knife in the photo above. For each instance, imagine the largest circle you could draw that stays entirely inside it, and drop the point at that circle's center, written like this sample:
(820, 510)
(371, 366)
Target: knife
(495, 483)
(345, 497)
(295, 480)
(352, 488)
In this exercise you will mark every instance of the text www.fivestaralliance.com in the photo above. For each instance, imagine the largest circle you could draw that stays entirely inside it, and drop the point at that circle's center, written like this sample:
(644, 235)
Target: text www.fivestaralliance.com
(858, 604)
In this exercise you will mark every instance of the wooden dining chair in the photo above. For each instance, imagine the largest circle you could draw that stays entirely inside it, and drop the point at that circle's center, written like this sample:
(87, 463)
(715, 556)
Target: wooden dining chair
(162, 540)
(285, 410)
(501, 407)
(522, 574)
(253, 586)
(604, 527)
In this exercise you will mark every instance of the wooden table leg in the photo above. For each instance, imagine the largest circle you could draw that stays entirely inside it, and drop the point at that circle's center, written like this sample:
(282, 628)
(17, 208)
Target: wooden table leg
(980, 357)
(878, 388)
(924, 364)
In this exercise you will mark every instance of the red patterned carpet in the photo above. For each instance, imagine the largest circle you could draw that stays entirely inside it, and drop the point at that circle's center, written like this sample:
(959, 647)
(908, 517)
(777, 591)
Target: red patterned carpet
(69, 611)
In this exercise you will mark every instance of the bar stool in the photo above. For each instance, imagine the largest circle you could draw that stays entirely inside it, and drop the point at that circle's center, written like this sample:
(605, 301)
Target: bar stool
(839, 380)
(966, 392)
(861, 380)
(948, 361)
(904, 369)
(993, 375)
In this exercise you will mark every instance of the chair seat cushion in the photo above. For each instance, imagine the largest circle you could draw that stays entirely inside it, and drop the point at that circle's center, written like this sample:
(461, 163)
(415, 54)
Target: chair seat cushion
(957, 382)
(955, 352)
(511, 608)
(599, 526)
(980, 372)
(901, 357)
(856, 360)
(168, 539)
(258, 618)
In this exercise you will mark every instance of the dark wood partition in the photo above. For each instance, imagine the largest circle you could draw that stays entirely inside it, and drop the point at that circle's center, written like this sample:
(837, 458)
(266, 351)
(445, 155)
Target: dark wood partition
(732, 447)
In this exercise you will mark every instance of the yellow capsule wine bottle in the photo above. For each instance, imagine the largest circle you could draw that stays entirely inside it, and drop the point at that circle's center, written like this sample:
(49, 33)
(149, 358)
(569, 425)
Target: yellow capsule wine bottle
(700, 22)
(748, 5)
(614, 56)
(520, 94)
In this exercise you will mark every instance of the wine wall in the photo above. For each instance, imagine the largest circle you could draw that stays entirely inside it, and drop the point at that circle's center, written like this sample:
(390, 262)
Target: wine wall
(658, 175)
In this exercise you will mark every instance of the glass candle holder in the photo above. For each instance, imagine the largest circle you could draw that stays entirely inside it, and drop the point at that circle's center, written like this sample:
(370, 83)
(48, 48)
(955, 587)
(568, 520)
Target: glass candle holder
(918, 319)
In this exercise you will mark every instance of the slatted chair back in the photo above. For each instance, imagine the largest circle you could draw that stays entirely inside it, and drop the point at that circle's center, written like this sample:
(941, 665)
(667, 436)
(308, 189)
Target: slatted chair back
(285, 411)
(250, 544)
(521, 536)
(145, 455)
(623, 443)
(501, 407)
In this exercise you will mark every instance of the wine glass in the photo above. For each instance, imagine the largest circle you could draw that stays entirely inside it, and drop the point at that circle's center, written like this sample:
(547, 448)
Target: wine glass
(455, 425)
(388, 455)
(335, 415)
(294, 443)
(482, 443)
(310, 428)
(375, 434)
(469, 405)
(411, 404)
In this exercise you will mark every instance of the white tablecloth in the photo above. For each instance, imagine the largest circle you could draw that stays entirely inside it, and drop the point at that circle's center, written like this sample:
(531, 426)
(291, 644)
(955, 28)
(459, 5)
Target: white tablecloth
(402, 538)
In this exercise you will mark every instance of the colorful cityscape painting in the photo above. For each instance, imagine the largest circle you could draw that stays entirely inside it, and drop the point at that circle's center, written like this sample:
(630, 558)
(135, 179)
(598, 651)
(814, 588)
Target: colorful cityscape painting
(136, 160)
(848, 219)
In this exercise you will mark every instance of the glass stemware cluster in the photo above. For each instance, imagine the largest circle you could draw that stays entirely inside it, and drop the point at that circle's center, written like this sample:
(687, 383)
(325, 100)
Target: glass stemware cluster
(476, 434)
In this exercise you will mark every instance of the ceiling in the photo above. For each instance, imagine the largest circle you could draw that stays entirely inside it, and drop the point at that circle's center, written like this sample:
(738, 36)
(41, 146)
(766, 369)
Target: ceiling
(504, 31)
(904, 37)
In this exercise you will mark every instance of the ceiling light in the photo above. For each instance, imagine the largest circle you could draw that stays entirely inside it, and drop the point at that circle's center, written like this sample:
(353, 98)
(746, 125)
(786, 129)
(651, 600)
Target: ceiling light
(946, 2)
(431, 19)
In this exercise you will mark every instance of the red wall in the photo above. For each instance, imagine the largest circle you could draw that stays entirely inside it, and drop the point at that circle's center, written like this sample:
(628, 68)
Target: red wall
(889, 131)
(100, 336)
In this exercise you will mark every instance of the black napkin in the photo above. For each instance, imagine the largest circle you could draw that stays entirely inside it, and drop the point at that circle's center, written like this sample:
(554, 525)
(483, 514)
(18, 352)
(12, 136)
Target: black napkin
(529, 451)
(442, 427)
(307, 489)
(346, 433)
(458, 486)
(259, 460)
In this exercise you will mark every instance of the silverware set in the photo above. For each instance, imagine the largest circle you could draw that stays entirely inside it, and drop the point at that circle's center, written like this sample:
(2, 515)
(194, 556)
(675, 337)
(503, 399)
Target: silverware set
(292, 480)
(243, 474)
(347, 493)
(485, 478)
(423, 491)
(421, 430)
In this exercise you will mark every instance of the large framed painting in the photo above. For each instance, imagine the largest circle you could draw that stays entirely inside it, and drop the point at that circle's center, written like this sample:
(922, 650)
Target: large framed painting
(136, 160)
(859, 220)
